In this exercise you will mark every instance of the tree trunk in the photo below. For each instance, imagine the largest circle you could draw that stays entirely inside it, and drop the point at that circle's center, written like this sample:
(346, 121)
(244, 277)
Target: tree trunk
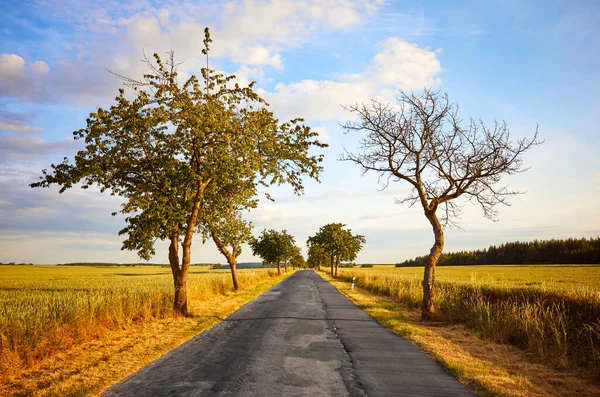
(180, 301)
(279, 268)
(337, 265)
(229, 256)
(319, 265)
(427, 307)
(179, 279)
(285, 266)
(232, 265)
(332, 261)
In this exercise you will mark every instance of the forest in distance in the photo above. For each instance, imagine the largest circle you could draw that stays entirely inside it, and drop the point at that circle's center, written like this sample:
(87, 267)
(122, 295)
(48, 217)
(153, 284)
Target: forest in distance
(537, 252)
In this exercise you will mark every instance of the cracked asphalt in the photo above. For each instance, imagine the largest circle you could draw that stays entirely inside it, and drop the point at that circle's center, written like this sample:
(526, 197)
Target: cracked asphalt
(300, 338)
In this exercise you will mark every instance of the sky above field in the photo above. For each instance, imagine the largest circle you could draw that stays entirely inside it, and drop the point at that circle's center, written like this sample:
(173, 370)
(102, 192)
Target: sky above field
(525, 62)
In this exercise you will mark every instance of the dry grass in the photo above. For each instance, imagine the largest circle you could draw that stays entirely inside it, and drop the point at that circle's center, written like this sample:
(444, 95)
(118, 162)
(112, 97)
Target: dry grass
(84, 356)
(561, 326)
(555, 277)
(487, 368)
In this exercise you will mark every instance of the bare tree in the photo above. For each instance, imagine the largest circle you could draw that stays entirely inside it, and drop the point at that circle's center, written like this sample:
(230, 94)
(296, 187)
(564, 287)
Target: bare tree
(422, 140)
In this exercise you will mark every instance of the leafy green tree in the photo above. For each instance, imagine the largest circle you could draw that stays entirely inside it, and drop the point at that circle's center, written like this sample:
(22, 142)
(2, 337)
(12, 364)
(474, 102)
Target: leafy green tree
(338, 243)
(222, 219)
(424, 143)
(296, 259)
(317, 255)
(274, 247)
(168, 149)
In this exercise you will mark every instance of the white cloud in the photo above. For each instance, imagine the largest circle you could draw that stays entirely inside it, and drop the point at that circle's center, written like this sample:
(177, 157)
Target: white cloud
(323, 134)
(398, 65)
(257, 55)
(11, 65)
(40, 67)
(27, 148)
(110, 35)
(20, 79)
(18, 127)
(405, 65)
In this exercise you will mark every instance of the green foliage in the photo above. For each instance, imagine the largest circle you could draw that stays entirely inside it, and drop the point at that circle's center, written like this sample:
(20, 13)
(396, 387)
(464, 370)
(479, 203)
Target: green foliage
(317, 256)
(297, 260)
(338, 242)
(186, 156)
(274, 247)
(571, 250)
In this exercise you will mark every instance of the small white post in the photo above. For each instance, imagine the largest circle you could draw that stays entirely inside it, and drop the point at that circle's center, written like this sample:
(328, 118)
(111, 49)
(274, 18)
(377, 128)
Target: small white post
(353, 278)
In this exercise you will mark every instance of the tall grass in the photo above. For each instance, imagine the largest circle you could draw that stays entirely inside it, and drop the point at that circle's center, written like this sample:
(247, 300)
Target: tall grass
(561, 326)
(43, 311)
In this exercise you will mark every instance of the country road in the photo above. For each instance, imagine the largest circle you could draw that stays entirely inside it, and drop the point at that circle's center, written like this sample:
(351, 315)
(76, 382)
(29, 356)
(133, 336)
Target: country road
(300, 338)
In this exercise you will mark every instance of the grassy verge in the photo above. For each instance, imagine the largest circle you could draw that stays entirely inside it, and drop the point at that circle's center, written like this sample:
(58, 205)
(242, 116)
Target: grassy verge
(486, 367)
(561, 326)
(91, 362)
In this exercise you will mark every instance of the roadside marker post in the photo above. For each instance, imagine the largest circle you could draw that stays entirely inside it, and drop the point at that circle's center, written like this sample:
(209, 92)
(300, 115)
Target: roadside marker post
(353, 278)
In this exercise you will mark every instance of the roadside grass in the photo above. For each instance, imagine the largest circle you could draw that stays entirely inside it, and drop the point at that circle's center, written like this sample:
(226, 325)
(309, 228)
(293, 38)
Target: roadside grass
(486, 367)
(560, 325)
(545, 276)
(73, 331)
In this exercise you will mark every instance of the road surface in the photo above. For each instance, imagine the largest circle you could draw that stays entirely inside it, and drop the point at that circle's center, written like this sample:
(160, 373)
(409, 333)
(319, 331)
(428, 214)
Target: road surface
(300, 338)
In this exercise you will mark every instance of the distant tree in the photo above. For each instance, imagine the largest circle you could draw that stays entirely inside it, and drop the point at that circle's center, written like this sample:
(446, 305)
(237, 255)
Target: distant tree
(339, 244)
(223, 222)
(316, 255)
(274, 247)
(228, 234)
(422, 141)
(164, 149)
(297, 260)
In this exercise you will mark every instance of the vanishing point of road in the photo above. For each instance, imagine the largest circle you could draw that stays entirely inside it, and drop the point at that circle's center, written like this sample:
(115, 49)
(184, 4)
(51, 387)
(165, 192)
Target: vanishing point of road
(300, 338)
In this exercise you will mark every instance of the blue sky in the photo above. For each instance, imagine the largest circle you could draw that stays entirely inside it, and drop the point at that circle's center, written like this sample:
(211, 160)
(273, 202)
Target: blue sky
(525, 62)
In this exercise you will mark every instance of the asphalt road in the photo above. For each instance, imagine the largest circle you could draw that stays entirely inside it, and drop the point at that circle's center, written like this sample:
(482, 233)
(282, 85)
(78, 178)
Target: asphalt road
(300, 338)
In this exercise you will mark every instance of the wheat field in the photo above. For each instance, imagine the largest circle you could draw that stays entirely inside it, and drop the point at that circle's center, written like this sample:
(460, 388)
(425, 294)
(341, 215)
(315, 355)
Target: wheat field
(551, 311)
(45, 309)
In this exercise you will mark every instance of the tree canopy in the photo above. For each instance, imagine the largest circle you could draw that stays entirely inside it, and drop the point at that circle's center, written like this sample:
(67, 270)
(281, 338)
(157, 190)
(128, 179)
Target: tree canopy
(337, 243)
(172, 150)
(317, 255)
(274, 247)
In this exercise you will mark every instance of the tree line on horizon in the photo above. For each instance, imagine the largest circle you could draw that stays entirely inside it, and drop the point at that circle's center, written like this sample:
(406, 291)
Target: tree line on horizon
(537, 252)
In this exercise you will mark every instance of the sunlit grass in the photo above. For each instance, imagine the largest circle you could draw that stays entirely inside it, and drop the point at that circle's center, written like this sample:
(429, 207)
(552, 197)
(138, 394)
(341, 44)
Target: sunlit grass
(550, 276)
(552, 311)
(46, 309)
(486, 367)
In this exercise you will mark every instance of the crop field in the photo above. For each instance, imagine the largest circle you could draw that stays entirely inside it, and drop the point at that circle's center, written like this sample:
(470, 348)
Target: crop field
(552, 311)
(46, 309)
(547, 276)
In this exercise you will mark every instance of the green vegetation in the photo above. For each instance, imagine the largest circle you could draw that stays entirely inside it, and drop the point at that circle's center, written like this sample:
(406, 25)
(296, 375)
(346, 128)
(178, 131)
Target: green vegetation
(575, 251)
(45, 309)
(275, 247)
(552, 311)
(187, 157)
(336, 243)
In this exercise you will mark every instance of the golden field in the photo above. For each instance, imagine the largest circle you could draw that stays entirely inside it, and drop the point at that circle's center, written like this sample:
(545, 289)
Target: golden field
(48, 313)
(551, 311)
(484, 366)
